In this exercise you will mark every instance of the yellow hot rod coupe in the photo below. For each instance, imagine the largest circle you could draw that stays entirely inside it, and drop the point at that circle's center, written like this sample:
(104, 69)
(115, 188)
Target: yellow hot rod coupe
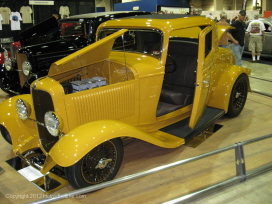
(158, 78)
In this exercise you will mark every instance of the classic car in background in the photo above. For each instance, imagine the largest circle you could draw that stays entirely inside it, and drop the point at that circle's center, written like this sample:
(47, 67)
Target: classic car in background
(158, 78)
(267, 45)
(2, 57)
(48, 42)
(5, 51)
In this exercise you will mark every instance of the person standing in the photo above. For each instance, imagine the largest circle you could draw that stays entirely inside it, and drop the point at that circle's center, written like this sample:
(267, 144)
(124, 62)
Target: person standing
(237, 37)
(234, 19)
(210, 16)
(256, 37)
(223, 41)
(220, 15)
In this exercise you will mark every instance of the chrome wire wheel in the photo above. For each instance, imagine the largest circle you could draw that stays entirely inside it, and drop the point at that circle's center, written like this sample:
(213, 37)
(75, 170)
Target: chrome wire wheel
(98, 165)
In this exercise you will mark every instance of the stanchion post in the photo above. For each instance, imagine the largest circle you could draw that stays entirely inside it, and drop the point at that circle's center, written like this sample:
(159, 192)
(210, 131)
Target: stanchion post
(240, 161)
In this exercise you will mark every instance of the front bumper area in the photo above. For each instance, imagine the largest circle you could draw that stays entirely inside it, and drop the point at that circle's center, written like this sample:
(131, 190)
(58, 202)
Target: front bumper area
(47, 176)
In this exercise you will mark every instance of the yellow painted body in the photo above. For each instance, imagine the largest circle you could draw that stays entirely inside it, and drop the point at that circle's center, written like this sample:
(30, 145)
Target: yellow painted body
(77, 143)
(127, 106)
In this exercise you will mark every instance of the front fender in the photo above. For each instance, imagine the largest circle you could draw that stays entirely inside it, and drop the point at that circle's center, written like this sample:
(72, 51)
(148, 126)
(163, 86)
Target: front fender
(78, 142)
(221, 93)
(20, 131)
(2, 70)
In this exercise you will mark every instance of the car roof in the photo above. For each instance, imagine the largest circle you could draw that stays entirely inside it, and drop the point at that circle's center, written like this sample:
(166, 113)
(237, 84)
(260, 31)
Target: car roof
(106, 14)
(159, 21)
(163, 16)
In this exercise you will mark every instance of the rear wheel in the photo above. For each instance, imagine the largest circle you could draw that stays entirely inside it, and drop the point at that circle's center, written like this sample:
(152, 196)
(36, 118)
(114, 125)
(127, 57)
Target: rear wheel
(238, 96)
(98, 165)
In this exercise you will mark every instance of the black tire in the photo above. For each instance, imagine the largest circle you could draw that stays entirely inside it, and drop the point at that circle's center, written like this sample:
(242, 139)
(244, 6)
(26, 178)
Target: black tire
(5, 134)
(238, 96)
(98, 165)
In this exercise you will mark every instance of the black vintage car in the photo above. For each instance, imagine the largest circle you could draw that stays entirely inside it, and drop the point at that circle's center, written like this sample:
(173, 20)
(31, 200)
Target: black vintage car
(47, 42)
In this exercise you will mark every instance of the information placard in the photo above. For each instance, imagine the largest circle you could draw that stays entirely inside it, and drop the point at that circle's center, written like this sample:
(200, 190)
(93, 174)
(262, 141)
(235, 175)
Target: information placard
(30, 173)
(40, 2)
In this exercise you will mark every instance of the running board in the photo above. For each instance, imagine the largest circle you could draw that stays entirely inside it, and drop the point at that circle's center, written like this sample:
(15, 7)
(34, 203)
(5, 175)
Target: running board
(181, 129)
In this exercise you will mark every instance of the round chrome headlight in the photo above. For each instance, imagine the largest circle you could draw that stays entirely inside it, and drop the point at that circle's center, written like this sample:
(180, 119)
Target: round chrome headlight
(8, 64)
(26, 68)
(52, 123)
(6, 54)
(23, 109)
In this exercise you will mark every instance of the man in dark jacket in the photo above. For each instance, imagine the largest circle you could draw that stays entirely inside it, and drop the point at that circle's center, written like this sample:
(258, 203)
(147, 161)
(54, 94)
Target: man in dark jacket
(237, 37)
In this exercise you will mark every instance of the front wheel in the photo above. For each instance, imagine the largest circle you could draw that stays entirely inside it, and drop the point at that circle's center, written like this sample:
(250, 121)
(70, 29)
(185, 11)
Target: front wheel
(238, 96)
(98, 165)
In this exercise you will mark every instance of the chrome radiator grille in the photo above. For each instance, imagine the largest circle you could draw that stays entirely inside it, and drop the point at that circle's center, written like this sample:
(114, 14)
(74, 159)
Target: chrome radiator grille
(13, 51)
(42, 102)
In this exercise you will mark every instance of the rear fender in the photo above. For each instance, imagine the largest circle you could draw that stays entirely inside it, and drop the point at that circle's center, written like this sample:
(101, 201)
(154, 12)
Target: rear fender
(77, 143)
(221, 93)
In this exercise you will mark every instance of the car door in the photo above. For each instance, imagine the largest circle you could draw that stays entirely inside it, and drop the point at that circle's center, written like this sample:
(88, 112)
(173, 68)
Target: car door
(204, 66)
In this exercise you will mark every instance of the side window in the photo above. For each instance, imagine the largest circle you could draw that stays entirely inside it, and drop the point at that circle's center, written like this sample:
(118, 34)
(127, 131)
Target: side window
(127, 40)
(139, 41)
(208, 43)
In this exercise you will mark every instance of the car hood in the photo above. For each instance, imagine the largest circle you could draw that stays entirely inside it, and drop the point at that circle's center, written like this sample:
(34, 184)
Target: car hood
(96, 52)
(32, 35)
(222, 29)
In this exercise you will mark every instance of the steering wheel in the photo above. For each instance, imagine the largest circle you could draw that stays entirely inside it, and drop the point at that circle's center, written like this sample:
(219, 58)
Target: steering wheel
(170, 65)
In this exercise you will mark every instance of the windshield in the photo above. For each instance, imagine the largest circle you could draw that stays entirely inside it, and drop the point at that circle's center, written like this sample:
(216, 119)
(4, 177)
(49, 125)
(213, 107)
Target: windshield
(140, 41)
(71, 28)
